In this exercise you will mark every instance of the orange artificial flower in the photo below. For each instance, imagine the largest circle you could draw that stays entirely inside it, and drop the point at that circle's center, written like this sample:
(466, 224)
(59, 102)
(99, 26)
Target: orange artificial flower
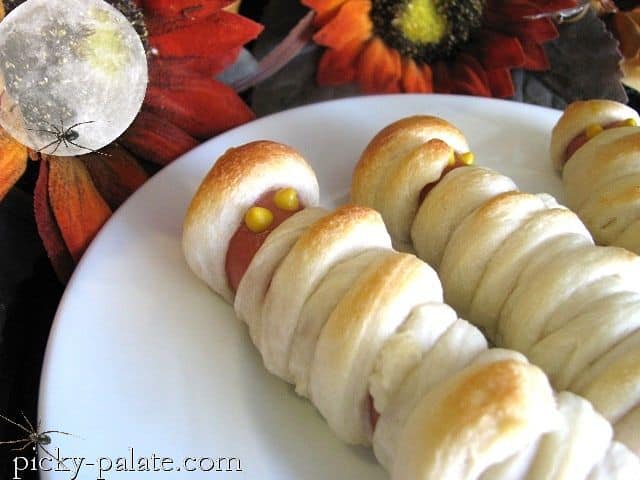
(446, 46)
(188, 42)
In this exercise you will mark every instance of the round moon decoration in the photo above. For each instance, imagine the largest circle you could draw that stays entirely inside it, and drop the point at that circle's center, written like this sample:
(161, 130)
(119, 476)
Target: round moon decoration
(73, 75)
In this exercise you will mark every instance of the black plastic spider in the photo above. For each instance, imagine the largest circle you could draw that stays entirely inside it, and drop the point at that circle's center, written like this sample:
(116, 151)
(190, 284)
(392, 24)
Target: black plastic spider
(34, 437)
(64, 136)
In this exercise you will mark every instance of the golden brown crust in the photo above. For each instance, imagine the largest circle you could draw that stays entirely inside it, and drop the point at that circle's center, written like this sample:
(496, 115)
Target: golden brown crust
(338, 236)
(391, 144)
(233, 167)
(478, 418)
(381, 284)
(238, 179)
(379, 301)
(608, 156)
(578, 116)
(335, 225)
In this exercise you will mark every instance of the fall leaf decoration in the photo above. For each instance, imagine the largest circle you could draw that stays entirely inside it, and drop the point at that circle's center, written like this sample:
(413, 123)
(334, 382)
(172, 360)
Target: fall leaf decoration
(188, 43)
(13, 162)
(448, 46)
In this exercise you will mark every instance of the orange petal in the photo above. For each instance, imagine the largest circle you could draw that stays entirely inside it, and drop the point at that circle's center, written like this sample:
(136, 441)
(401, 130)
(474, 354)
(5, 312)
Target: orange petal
(427, 73)
(156, 140)
(416, 79)
(468, 77)
(324, 9)
(337, 67)
(496, 50)
(202, 107)
(210, 37)
(116, 176)
(350, 24)
(441, 77)
(79, 209)
(501, 83)
(48, 229)
(379, 68)
(13, 162)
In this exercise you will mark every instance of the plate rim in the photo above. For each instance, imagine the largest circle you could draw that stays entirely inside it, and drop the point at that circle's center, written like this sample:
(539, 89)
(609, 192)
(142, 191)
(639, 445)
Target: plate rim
(86, 260)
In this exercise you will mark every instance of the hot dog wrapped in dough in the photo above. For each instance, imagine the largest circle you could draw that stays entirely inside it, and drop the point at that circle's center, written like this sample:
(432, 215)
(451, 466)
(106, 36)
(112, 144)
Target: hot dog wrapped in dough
(518, 265)
(360, 329)
(596, 147)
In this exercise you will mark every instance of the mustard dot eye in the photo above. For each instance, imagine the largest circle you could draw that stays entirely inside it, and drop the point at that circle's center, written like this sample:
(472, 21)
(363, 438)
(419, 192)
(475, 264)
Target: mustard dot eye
(286, 199)
(593, 130)
(452, 158)
(258, 219)
(467, 158)
(630, 122)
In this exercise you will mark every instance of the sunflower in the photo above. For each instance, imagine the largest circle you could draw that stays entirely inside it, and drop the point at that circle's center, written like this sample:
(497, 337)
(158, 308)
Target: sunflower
(446, 46)
(188, 42)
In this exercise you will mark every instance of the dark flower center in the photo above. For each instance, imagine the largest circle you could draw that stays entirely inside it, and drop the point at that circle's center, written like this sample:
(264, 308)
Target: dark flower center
(426, 30)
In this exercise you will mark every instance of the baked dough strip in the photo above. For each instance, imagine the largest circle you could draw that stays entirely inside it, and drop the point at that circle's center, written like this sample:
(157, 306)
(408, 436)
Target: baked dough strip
(519, 266)
(360, 329)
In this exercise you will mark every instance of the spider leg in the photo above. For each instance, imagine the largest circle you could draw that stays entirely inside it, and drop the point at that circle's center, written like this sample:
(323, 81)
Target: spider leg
(14, 423)
(88, 149)
(25, 446)
(56, 129)
(60, 462)
(43, 131)
(77, 124)
(11, 442)
(57, 431)
(28, 422)
(48, 145)
(55, 149)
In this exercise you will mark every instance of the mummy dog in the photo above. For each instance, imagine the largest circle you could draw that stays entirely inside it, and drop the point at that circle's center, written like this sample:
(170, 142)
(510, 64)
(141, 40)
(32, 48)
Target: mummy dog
(596, 147)
(360, 329)
(519, 266)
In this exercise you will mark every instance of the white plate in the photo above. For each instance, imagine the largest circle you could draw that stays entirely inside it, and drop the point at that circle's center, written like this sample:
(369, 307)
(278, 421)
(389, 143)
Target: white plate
(142, 355)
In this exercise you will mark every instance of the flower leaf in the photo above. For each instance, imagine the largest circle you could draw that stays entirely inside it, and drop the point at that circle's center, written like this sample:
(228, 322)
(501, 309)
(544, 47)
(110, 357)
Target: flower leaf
(13, 162)
(584, 62)
(115, 176)
(156, 140)
(202, 107)
(78, 208)
(48, 228)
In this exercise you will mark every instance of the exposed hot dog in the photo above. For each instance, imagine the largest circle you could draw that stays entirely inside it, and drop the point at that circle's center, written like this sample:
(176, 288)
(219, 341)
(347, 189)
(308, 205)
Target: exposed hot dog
(459, 160)
(249, 237)
(591, 131)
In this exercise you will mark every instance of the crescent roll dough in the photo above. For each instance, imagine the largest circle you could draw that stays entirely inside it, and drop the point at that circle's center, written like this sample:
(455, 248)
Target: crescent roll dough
(602, 175)
(335, 237)
(225, 194)
(526, 271)
(361, 330)
(256, 280)
(318, 308)
(476, 419)
(367, 315)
